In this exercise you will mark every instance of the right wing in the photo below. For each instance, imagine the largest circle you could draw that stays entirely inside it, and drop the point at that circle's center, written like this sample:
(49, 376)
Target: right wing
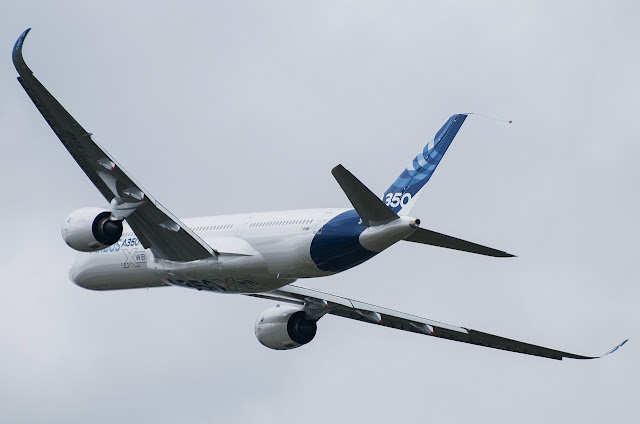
(156, 228)
(424, 236)
(317, 303)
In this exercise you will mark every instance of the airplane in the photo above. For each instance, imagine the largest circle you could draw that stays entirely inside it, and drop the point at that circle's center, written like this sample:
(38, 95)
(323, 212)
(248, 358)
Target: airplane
(135, 242)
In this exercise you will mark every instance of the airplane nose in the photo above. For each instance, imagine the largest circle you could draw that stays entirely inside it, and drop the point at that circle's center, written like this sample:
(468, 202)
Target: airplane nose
(75, 270)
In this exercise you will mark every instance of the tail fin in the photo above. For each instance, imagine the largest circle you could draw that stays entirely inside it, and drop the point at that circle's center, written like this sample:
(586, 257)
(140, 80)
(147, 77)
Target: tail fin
(404, 191)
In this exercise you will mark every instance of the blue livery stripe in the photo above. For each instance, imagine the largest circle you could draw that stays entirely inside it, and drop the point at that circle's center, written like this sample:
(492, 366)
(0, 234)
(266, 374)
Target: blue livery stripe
(337, 246)
(419, 171)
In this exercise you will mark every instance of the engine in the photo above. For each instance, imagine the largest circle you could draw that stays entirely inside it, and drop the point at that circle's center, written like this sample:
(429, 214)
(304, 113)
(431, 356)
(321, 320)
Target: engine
(283, 328)
(91, 229)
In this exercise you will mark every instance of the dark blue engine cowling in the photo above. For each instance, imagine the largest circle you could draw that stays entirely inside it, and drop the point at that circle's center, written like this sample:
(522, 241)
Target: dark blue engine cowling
(337, 247)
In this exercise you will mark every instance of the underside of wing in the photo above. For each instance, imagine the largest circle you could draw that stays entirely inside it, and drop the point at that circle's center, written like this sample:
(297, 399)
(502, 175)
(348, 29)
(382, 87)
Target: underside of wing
(156, 228)
(317, 303)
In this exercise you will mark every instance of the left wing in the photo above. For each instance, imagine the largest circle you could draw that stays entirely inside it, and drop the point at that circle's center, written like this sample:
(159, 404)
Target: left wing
(156, 228)
(317, 303)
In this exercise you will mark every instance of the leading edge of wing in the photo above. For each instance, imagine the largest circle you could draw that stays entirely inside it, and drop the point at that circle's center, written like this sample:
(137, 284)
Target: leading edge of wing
(156, 228)
(353, 309)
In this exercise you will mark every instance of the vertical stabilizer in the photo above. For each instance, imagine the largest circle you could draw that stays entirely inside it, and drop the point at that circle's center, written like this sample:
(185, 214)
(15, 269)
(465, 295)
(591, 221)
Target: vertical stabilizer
(404, 191)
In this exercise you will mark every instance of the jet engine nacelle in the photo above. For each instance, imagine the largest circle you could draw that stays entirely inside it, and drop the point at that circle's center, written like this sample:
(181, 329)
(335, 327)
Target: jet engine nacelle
(91, 229)
(283, 328)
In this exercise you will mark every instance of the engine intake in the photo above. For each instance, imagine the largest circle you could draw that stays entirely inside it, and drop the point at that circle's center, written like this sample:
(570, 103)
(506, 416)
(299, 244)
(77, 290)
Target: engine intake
(91, 229)
(282, 328)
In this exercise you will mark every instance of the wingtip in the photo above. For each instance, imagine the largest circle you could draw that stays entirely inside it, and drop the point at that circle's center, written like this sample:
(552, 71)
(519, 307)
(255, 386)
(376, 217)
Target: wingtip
(615, 348)
(18, 60)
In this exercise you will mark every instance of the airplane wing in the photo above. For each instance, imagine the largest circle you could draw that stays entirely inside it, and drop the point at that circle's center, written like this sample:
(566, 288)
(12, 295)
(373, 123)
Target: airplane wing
(156, 228)
(317, 303)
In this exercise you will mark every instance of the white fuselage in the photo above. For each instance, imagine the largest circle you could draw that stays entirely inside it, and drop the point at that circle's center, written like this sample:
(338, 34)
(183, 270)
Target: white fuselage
(255, 252)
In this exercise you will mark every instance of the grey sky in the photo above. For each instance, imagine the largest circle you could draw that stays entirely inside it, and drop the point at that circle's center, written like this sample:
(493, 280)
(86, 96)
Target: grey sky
(245, 106)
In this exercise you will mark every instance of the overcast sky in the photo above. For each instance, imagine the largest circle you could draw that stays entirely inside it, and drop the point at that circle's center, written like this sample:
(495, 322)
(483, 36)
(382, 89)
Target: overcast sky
(246, 106)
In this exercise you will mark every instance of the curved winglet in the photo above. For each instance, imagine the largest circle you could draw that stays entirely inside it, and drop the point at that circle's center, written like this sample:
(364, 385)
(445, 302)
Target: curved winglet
(614, 349)
(603, 355)
(16, 55)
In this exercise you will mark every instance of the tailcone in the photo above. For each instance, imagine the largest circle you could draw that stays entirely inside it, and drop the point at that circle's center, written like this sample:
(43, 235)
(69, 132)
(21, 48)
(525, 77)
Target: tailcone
(378, 238)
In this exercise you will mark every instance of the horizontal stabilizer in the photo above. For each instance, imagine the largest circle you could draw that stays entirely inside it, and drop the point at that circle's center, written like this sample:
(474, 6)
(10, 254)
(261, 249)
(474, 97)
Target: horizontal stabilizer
(424, 236)
(370, 208)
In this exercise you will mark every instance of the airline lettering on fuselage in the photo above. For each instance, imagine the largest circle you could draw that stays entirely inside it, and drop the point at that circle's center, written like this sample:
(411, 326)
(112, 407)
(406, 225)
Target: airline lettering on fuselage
(132, 241)
(133, 258)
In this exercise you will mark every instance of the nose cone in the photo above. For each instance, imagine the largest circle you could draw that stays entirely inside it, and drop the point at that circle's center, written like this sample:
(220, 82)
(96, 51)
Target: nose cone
(113, 271)
(77, 271)
(73, 269)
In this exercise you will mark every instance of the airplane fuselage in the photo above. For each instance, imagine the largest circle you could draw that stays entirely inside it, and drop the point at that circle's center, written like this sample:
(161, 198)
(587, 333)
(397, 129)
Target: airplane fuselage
(255, 252)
